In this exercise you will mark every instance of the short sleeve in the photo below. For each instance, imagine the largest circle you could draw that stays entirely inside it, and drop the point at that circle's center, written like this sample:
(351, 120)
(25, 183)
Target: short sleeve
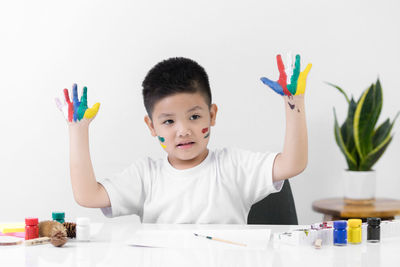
(253, 172)
(126, 191)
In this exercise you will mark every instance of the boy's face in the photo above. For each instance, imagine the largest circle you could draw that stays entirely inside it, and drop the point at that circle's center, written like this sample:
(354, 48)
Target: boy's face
(182, 124)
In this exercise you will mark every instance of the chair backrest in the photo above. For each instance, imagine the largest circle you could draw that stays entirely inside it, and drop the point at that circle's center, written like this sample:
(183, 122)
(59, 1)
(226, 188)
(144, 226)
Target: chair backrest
(276, 208)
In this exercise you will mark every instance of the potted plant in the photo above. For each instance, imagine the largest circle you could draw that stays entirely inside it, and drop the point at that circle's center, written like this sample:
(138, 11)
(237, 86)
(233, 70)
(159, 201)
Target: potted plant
(361, 143)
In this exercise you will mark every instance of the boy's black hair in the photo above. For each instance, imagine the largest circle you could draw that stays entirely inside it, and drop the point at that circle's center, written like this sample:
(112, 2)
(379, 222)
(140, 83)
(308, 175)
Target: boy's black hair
(172, 76)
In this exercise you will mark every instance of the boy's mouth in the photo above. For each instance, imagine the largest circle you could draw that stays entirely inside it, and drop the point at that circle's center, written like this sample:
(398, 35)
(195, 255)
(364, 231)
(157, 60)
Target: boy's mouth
(185, 145)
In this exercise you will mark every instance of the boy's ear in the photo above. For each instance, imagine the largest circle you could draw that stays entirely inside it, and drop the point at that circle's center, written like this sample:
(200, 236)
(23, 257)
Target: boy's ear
(149, 124)
(213, 113)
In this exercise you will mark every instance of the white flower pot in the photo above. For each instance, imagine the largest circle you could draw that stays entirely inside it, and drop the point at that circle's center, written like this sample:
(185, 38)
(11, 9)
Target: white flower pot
(359, 186)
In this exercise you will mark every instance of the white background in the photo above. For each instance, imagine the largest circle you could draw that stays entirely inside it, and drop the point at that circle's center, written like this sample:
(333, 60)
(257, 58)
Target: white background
(109, 46)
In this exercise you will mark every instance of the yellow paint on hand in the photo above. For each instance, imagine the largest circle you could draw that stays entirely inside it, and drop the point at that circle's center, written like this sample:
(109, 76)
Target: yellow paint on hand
(301, 82)
(91, 112)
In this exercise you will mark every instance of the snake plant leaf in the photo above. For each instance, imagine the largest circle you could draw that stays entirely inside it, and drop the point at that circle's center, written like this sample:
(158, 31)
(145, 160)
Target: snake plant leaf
(365, 118)
(339, 140)
(374, 155)
(347, 127)
(383, 131)
(340, 90)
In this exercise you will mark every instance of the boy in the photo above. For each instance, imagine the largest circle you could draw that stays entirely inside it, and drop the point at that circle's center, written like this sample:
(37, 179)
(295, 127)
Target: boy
(192, 184)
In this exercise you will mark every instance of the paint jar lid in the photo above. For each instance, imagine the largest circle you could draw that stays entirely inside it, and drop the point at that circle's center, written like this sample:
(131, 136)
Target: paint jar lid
(354, 222)
(374, 221)
(82, 221)
(57, 215)
(340, 224)
(31, 221)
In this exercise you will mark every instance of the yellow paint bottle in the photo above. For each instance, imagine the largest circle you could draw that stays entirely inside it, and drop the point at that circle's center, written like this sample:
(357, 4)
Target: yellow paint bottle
(354, 231)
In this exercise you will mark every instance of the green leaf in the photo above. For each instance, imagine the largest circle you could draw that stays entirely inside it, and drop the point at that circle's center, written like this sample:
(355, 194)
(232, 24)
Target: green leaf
(366, 115)
(340, 90)
(339, 140)
(374, 155)
(383, 131)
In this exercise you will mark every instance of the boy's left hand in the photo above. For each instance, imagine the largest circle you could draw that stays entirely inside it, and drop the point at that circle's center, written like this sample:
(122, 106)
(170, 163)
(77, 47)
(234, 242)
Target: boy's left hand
(297, 84)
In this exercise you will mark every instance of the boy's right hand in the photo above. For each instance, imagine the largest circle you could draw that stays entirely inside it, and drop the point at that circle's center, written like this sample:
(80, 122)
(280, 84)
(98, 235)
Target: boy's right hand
(75, 111)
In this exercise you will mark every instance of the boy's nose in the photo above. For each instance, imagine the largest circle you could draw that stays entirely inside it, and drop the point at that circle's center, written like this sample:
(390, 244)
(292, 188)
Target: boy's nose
(183, 130)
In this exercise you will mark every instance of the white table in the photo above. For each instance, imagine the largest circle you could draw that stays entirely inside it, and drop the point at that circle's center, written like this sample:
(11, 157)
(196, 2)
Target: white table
(108, 247)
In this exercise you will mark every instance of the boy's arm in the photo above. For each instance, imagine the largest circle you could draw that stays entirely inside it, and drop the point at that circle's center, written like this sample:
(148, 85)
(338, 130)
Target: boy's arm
(87, 191)
(294, 157)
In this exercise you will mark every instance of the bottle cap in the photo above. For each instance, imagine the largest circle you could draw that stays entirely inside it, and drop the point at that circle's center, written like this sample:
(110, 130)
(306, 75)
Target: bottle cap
(31, 221)
(354, 222)
(82, 221)
(58, 215)
(374, 221)
(340, 224)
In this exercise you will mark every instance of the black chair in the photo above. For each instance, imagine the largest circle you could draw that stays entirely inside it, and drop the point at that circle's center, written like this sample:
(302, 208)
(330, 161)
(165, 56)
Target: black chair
(277, 208)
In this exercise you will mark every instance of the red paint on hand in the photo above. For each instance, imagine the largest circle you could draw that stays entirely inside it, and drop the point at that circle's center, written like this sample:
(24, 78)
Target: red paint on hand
(282, 75)
(70, 106)
(204, 130)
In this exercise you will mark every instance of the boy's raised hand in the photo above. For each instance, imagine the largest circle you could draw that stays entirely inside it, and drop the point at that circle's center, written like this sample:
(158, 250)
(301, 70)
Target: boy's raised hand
(297, 84)
(77, 110)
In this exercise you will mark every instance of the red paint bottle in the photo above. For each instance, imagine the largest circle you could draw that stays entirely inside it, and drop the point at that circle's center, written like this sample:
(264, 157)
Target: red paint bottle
(31, 228)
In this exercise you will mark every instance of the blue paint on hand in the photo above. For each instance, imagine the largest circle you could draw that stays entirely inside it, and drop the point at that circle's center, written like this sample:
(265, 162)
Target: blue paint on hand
(273, 85)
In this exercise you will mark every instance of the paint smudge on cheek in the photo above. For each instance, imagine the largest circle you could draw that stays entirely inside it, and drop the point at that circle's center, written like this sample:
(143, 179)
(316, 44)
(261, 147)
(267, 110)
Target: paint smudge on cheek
(162, 140)
(205, 130)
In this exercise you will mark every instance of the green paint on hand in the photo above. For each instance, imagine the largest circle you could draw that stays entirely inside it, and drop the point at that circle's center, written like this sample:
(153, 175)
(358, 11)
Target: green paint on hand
(83, 105)
(292, 87)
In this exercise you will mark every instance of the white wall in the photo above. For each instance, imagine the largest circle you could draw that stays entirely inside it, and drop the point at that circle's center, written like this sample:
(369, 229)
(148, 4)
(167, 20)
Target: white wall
(109, 46)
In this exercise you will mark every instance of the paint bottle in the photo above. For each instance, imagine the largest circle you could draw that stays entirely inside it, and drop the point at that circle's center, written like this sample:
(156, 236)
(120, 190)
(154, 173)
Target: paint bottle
(374, 230)
(340, 233)
(58, 216)
(83, 229)
(354, 231)
(31, 228)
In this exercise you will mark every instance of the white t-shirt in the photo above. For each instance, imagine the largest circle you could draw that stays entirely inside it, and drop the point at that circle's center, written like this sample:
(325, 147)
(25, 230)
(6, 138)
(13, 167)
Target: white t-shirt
(220, 190)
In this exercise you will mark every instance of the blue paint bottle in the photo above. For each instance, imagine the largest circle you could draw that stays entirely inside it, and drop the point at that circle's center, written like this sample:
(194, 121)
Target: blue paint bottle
(340, 233)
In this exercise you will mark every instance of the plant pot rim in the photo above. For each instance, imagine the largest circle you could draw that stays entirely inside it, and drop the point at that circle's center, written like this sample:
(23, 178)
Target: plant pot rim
(347, 170)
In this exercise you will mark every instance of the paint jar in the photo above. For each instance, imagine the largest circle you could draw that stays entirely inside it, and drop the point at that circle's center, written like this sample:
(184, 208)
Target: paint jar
(354, 231)
(374, 230)
(340, 233)
(83, 229)
(31, 228)
(58, 216)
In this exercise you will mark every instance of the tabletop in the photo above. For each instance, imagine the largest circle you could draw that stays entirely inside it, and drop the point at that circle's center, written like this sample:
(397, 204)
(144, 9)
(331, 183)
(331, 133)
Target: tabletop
(108, 247)
(337, 208)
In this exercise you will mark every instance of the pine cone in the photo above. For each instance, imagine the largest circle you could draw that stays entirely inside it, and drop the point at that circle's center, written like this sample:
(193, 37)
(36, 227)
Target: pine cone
(58, 235)
(71, 229)
(45, 227)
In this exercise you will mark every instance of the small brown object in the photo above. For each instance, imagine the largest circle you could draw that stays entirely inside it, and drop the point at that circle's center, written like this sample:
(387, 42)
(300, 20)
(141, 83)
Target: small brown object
(71, 229)
(58, 235)
(45, 228)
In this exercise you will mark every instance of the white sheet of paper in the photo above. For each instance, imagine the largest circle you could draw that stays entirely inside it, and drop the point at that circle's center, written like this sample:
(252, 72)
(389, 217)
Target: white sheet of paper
(253, 238)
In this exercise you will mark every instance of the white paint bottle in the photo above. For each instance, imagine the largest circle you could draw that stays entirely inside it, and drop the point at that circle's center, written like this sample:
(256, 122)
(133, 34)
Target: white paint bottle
(83, 229)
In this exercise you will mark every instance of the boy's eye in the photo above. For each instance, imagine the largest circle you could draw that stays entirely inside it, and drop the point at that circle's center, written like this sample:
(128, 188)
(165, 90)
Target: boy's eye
(194, 117)
(167, 122)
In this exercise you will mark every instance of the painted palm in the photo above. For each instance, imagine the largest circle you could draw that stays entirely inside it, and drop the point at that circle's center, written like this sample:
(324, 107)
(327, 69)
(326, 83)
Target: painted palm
(291, 81)
(360, 141)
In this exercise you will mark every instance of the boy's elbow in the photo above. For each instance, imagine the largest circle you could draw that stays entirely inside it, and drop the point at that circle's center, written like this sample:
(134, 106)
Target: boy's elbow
(82, 201)
(298, 168)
